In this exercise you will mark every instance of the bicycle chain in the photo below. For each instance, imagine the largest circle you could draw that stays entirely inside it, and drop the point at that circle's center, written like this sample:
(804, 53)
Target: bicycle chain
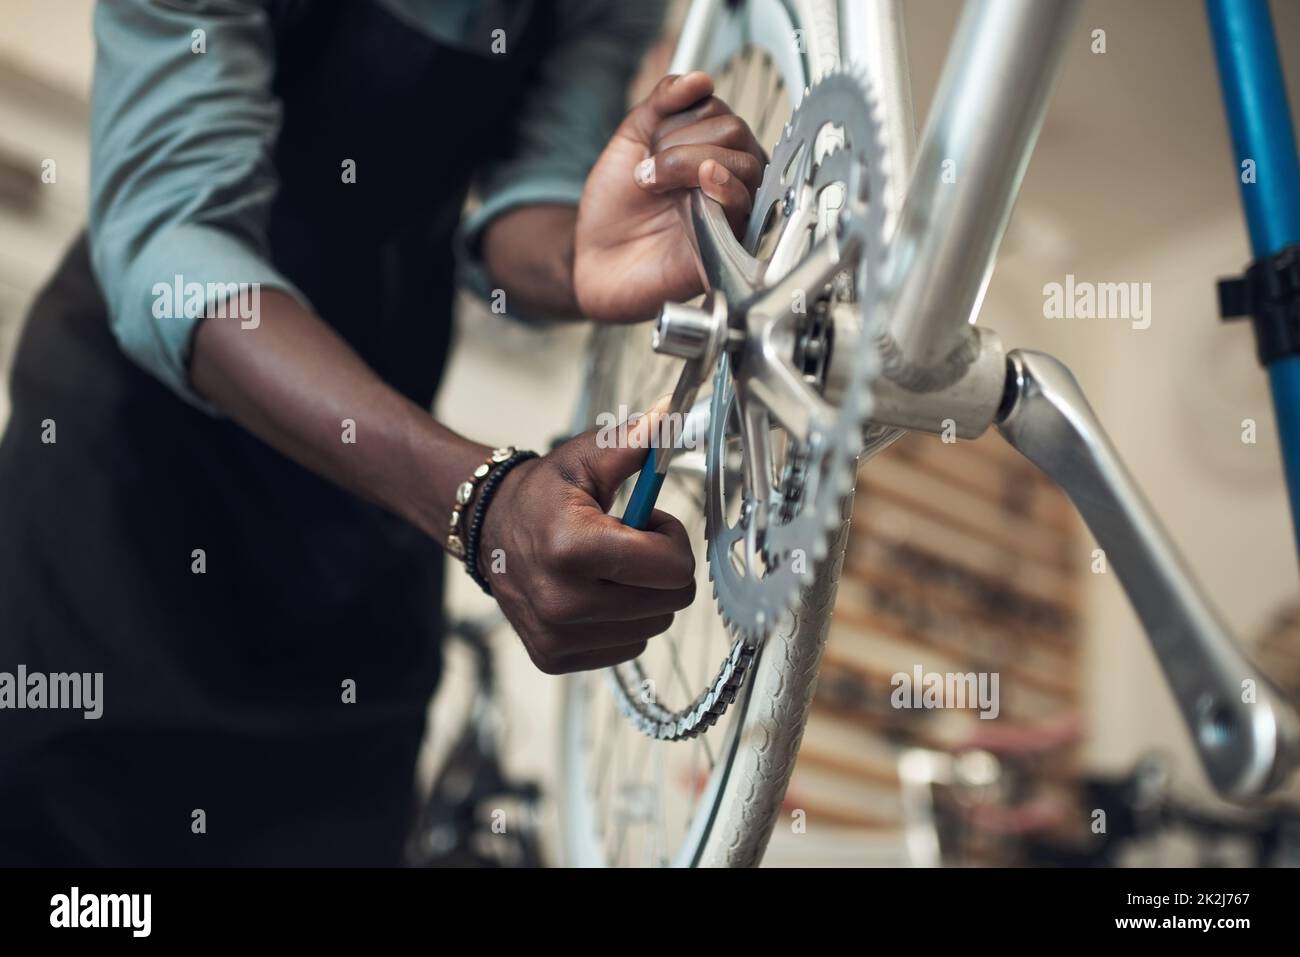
(651, 718)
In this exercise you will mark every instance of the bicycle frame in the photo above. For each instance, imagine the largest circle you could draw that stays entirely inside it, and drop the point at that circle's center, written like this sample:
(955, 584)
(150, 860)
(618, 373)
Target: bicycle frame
(986, 117)
(983, 125)
(987, 113)
(1254, 97)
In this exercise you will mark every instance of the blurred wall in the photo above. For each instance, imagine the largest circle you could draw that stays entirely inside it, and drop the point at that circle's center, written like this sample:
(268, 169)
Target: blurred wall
(46, 57)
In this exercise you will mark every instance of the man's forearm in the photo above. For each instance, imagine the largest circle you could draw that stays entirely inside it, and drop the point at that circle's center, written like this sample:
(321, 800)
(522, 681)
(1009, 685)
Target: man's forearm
(293, 381)
(529, 254)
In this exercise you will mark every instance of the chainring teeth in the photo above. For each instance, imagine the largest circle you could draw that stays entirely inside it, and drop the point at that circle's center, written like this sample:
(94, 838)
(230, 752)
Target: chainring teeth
(752, 606)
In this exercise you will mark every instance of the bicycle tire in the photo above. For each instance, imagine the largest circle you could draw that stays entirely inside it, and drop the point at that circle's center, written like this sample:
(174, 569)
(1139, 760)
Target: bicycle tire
(741, 803)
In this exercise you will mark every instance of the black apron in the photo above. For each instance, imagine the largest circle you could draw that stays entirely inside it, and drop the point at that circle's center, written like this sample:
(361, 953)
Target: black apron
(223, 692)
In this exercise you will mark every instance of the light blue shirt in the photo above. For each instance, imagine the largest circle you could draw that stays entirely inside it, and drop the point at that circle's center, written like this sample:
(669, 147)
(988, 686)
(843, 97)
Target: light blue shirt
(182, 178)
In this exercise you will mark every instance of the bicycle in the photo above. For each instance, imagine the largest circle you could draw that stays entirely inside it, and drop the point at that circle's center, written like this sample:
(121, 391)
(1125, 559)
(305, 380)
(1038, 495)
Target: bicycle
(841, 319)
(462, 820)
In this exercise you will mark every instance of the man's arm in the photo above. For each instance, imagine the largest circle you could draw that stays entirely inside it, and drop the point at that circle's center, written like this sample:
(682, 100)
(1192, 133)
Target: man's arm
(520, 237)
(182, 182)
(292, 381)
(528, 252)
(181, 174)
(582, 590)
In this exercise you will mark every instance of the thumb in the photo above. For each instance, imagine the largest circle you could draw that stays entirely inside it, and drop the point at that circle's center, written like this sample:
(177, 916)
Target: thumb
(608, 457)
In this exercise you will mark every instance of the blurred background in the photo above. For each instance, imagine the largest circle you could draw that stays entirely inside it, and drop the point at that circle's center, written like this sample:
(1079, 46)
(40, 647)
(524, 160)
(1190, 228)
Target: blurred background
(978, 563)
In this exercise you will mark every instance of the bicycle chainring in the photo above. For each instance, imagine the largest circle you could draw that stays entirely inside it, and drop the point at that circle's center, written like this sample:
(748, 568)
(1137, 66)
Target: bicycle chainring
(761, 561)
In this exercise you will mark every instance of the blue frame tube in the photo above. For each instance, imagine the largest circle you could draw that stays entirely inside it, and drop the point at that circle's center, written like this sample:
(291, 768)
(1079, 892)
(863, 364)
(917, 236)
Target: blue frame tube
(1254, 97)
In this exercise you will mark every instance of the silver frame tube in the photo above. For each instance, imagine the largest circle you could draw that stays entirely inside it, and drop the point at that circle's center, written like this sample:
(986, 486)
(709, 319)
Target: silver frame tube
(874, 39)
(695, 36)
(985, 119)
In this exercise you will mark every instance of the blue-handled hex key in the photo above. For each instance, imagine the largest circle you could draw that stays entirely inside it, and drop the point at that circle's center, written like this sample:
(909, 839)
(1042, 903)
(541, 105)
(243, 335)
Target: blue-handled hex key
(696, 335)
(645, 493)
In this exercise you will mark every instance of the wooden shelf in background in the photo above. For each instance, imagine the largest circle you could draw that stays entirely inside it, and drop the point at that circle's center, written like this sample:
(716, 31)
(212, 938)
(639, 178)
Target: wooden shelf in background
(923, 534)
(870, 577)
(971, 466)
(894, 482)
(868, 622)
(965, 558)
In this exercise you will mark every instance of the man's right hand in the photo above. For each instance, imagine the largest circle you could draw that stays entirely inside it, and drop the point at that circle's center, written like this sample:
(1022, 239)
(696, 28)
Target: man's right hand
(583, 590)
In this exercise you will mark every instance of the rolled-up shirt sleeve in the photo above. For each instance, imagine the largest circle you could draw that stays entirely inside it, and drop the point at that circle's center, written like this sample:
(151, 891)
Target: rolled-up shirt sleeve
(183, 127)
(567, 117)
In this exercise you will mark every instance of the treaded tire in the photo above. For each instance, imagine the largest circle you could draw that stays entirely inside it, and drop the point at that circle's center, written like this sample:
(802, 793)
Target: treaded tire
(780, 689)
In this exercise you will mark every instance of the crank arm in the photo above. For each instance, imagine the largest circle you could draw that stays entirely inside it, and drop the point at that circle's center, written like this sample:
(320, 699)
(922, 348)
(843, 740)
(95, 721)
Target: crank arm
(1244, 732)
(696, 335)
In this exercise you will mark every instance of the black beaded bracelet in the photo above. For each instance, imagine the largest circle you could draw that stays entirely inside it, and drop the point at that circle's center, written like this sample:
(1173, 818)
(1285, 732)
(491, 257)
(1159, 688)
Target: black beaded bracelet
(475, 530)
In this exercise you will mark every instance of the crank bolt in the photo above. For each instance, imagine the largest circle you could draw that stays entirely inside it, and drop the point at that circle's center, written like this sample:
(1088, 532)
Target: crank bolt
(684, 331)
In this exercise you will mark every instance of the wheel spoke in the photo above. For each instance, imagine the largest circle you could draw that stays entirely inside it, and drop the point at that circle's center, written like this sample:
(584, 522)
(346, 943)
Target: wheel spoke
(774, 85)
(606, 758)
(678, 670)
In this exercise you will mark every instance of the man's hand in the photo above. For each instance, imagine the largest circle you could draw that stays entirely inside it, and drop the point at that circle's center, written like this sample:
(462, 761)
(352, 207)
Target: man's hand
(583, 590)
(632, 249)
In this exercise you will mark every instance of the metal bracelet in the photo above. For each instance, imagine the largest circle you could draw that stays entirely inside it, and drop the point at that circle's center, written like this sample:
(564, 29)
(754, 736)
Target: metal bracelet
(475, 529)
(464, 493)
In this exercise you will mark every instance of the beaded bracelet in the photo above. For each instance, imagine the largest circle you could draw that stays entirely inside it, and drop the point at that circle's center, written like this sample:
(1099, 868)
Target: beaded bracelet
(475, 530)
(464, 492)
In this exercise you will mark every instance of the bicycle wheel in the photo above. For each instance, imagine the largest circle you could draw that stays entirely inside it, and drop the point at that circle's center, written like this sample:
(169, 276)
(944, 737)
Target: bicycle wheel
(713, 800)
